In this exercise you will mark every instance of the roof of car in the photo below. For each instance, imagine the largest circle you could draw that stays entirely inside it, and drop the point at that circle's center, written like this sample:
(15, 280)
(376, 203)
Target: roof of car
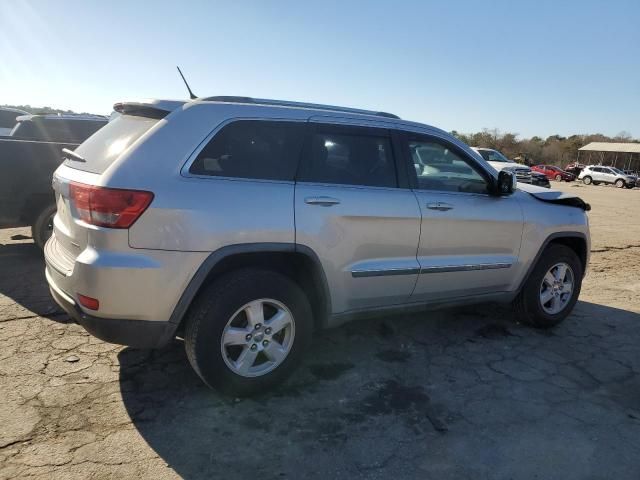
(60, 116)
(152, 107)
(170, 105)
(16, 110)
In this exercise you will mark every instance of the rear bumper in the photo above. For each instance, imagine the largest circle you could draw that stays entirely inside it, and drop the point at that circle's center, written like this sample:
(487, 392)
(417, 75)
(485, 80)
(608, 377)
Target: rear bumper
(135, 333)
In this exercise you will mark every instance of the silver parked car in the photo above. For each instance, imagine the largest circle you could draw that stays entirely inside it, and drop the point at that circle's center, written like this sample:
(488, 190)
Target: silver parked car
(598, 174)
(243, 225)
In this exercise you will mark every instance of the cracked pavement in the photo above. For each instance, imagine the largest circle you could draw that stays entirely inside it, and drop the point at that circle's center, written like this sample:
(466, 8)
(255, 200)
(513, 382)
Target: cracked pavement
(463, 393)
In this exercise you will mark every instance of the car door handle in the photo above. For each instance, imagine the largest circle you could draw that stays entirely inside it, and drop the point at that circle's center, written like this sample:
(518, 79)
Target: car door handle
(322, 201)
(440, 206)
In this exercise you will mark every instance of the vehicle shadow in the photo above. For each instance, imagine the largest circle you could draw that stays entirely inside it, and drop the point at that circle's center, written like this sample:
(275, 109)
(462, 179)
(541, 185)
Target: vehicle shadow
(402, 396)
(23, 281)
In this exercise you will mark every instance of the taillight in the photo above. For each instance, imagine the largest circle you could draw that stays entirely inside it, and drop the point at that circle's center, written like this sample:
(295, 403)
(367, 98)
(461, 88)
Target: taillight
(108, 207)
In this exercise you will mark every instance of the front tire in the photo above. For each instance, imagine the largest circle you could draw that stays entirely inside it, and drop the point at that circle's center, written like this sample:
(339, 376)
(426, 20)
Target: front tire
(587, 180)
(620, 183)
(247, 331)
(551, 291)
(558, 178)
(42, 227)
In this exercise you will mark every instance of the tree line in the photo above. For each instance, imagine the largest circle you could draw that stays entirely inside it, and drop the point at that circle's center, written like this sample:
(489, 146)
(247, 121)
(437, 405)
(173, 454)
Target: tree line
(554, 150)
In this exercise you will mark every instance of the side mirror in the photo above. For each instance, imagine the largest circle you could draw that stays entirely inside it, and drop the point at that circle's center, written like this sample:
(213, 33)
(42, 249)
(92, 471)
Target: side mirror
(506, 183)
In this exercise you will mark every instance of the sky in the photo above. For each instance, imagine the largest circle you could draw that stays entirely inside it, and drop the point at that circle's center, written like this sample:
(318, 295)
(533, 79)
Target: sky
(535, 67)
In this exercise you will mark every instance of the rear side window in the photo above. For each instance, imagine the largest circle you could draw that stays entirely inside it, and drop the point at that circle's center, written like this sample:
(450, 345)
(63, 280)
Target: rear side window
(258, 149)
(107, 144)
(350, 156)
(72, 131)
(8, 118)
(27, 130)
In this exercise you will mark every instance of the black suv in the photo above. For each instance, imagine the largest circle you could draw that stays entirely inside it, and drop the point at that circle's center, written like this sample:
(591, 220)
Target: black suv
(28, 157)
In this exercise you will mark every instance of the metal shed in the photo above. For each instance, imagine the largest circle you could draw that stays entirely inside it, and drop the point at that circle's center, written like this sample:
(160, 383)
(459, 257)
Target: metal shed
(627, 153)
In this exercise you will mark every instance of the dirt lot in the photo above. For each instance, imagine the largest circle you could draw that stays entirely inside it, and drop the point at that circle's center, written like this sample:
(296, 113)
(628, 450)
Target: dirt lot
(463, 393)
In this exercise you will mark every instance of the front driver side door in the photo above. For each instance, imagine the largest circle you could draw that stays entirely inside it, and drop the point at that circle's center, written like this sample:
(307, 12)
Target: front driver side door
(469, 239)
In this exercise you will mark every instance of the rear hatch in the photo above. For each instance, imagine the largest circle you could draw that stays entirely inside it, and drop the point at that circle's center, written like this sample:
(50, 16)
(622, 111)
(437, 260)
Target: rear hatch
(82, 205)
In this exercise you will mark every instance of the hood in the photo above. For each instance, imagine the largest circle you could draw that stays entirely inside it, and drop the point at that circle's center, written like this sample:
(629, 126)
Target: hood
(506, 166)
(554, 196)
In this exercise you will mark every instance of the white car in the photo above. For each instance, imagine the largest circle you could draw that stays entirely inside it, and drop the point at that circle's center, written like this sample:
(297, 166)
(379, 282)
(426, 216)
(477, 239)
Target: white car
(597, 174)
(498, 161)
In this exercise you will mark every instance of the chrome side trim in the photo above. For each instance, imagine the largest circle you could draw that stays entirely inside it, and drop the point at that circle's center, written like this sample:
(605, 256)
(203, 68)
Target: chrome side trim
(464, 268)
(382, 273)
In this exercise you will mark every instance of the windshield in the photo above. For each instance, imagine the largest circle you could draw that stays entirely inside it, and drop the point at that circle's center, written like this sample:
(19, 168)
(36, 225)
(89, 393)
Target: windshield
(617, 170)
(102, 148)
(494, 156)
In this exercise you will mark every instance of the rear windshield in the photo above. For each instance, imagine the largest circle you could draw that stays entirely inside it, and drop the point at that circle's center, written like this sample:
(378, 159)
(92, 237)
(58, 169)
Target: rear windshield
(107, 144)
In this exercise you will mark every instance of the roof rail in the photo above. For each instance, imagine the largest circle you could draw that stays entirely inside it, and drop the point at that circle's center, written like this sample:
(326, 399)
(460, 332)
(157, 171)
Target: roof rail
(286, 103)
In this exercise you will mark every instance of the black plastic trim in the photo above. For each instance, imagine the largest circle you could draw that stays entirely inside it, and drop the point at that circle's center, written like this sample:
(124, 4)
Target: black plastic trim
(134, 333)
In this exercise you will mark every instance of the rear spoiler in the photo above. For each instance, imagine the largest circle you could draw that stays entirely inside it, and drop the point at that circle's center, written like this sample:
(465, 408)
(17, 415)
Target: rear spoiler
(141, 110)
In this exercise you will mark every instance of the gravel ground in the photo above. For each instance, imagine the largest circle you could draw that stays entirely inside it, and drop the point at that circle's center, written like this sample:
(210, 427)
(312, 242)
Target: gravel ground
(465, 393)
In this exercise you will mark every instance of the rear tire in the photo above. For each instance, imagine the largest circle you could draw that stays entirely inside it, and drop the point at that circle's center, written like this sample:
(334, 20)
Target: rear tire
(220, 317)
(620, 183)
(529, 302)
(42, 227)
(558, 178)
(587, 180)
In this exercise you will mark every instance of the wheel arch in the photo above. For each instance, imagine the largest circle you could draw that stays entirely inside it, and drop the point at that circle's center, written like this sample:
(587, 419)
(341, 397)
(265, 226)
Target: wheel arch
(576, 241)
(297, 262)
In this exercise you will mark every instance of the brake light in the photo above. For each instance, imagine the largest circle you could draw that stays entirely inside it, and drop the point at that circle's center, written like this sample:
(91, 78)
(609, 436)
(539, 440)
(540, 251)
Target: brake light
(108, 207)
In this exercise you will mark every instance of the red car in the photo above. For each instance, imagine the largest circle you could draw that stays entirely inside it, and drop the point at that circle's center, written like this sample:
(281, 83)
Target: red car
(554, 173)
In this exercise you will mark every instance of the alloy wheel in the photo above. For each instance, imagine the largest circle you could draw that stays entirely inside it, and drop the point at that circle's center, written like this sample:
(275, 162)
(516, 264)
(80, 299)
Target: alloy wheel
(556, 289)
(258, 337)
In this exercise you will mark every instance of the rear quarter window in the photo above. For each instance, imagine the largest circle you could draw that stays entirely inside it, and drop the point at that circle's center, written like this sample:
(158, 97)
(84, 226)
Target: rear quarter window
(102, 148)
(8, 118)
(254, 149)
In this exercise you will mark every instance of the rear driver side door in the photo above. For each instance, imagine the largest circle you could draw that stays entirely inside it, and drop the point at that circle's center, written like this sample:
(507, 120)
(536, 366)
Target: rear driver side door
(353, 211)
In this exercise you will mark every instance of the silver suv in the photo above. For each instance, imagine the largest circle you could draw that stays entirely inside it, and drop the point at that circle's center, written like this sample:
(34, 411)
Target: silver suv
(598, 174)
(243, 225)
